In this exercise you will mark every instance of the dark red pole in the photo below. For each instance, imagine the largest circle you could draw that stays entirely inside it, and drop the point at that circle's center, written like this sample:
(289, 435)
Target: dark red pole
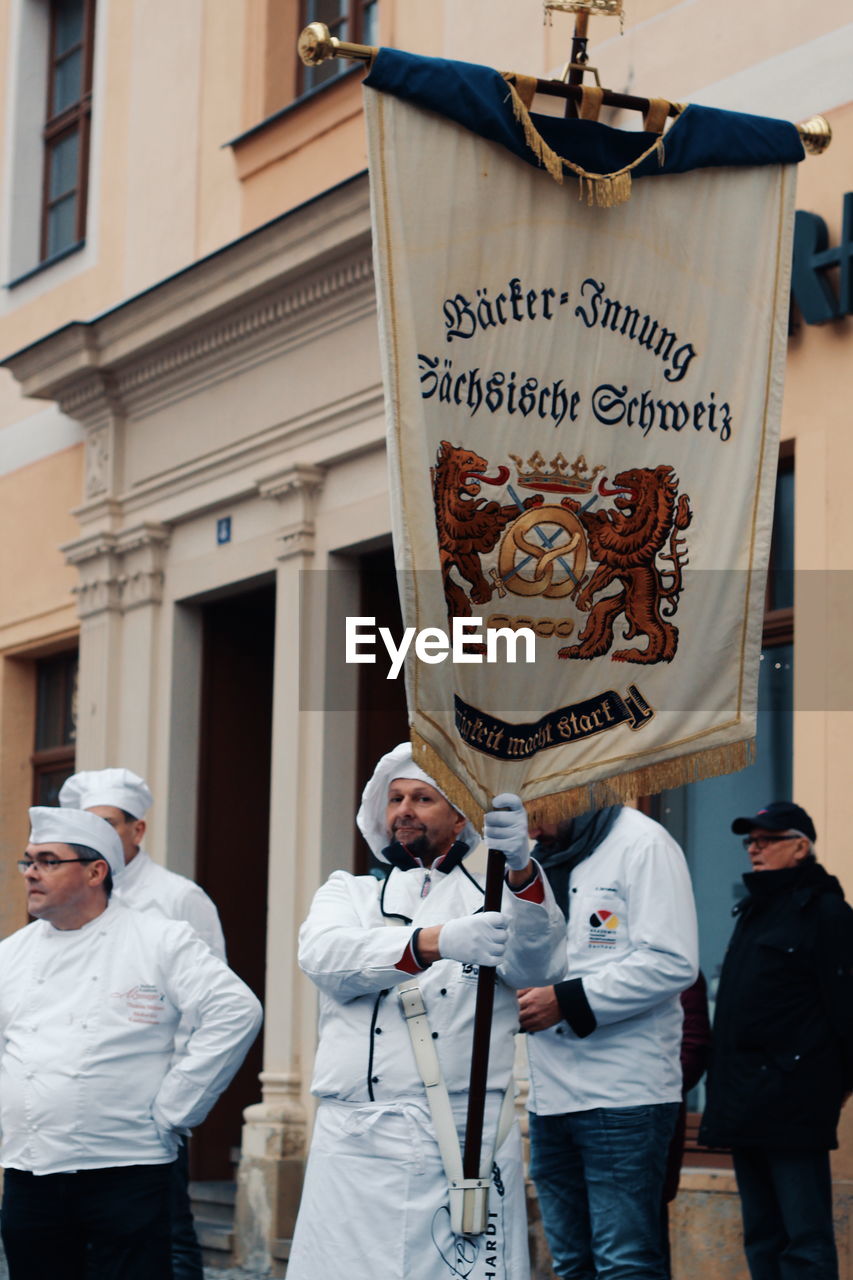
(482, 1030)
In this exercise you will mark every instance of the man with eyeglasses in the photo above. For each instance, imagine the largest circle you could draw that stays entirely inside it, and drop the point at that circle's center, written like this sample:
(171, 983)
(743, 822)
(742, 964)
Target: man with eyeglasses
(782, 1057)
(122, 799)
(93, 1097)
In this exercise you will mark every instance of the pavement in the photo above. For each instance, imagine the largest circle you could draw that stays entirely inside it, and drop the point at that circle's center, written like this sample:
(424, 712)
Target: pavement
(210, 1273)
(231, 1273)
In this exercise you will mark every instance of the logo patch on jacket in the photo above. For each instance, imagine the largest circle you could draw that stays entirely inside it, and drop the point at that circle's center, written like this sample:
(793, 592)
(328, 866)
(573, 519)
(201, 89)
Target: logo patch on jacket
(143, 1003)
(603, 928)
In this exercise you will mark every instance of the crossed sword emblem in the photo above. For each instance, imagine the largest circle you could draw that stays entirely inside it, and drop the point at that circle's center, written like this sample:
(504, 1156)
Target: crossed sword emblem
(500, 580)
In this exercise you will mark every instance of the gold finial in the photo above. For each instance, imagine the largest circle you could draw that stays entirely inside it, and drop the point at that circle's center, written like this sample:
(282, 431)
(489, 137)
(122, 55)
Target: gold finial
(316, 44)
(816, 134)
(611, 7)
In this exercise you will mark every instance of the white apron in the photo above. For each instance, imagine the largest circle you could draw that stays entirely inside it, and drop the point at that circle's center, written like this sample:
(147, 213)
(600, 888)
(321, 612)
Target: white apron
(375, 1202)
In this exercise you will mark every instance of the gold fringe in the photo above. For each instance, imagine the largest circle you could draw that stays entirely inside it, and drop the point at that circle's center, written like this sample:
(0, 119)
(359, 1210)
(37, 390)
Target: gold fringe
(547, 157)
(663, 775)
(457, 793)
(605, 190)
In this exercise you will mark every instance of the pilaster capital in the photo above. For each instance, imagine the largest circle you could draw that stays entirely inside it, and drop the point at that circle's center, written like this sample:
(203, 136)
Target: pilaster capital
(118, 571)
(302, 479)
(142, 550)
(298, 487)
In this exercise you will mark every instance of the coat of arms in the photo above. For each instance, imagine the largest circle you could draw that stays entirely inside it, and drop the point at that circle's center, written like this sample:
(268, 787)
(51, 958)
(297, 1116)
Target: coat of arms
(571, 550)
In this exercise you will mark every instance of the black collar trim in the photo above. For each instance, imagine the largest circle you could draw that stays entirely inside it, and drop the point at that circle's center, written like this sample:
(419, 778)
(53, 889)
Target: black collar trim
(399, 857)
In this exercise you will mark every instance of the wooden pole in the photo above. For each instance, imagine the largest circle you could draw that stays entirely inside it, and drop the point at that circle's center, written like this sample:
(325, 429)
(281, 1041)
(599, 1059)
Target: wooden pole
(578, 58)
(472, 1154)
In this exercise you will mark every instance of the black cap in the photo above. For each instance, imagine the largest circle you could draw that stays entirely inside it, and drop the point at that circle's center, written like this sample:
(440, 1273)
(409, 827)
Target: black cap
(779, 816)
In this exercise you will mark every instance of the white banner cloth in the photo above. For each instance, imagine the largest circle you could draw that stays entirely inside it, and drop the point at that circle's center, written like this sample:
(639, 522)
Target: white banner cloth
(583, 419)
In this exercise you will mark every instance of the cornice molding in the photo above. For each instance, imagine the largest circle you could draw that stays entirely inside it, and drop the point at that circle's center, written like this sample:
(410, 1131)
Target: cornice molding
(325, 300)
(262, 288)
(273, 322)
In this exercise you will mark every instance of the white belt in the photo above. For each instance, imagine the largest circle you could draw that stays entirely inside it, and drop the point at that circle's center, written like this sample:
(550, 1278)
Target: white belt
(469, 1197)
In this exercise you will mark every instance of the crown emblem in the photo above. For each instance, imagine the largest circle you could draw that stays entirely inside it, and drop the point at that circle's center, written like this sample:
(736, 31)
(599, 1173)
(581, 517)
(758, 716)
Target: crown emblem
(556, 476)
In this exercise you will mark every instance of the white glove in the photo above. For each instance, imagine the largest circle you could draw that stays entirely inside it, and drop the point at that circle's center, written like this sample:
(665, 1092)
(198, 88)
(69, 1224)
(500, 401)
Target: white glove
(479, 939)
(505, 829)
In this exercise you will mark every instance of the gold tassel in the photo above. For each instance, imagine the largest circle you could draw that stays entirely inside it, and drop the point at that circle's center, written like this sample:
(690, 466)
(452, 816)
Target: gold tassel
(604, 191)
(537, 144)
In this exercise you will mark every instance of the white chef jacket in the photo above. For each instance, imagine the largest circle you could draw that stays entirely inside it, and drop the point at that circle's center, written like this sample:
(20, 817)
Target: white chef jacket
(365, 1053)
(146, 886)
(375, 1190)
(87, 1029)
(632, 943)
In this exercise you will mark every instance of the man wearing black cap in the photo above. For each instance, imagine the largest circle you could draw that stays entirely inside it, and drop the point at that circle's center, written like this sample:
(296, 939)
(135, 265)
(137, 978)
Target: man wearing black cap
(782, 1061)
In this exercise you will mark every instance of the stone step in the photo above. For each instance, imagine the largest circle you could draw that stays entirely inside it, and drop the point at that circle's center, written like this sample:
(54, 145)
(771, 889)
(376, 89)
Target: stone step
(213, 1202)
(213, 1213)
(281, 1250)
(216, 1242)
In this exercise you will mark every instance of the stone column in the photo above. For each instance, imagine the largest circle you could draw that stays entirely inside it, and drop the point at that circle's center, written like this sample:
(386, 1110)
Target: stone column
(142, 550)
(118, 598)
(274, 1134)
(98, 595)
(97, 556)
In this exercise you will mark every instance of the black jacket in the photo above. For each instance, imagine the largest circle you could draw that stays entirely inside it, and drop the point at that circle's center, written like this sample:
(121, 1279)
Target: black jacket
(782, 1056)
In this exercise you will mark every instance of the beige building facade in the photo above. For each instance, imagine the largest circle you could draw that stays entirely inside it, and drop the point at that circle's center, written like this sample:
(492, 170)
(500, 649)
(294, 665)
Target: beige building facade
(192, 468)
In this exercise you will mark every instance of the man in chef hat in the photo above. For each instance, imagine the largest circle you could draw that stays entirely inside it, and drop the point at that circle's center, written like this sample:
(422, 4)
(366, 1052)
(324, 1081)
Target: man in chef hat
(93, 1101)
(381, 1137)
(122, 798)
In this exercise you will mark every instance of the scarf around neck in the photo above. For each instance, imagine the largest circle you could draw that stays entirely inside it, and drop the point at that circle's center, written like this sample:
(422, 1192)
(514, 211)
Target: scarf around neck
(584, 836)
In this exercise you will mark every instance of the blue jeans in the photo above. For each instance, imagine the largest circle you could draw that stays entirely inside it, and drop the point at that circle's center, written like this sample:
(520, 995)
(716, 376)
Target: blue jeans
(786, 1201)
(599, 1177)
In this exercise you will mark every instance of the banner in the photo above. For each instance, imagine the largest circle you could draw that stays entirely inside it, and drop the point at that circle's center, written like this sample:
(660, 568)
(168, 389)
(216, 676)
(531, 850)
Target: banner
(583, 416)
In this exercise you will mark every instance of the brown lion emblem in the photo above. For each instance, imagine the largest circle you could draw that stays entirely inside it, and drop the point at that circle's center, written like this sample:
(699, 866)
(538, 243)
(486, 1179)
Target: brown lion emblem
(626, 544)
(468, 526)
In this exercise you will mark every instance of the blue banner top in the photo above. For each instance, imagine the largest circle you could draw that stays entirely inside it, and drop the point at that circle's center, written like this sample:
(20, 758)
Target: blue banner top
(478, 98)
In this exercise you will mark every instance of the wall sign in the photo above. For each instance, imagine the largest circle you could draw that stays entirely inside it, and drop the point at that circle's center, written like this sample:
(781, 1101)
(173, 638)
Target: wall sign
(811, 286)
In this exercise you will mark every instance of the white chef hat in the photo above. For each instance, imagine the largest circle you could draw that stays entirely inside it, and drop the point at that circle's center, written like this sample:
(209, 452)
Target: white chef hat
(374, 800)
(75, 826)
(120, 788)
